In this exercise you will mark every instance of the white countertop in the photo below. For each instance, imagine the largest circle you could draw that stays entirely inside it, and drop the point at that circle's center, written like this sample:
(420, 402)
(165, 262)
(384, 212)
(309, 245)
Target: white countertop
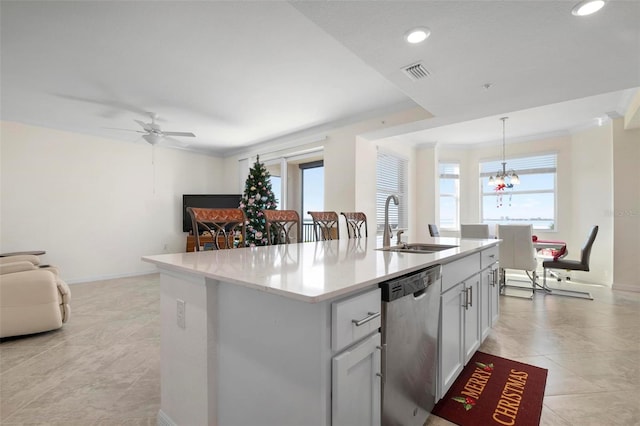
(313, 272)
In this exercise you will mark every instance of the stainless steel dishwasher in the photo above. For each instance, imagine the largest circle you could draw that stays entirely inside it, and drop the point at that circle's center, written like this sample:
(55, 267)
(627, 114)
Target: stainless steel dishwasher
(410, 315)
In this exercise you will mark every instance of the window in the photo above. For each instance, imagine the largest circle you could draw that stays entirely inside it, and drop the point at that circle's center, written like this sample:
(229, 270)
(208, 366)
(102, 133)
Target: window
(274, 167)
(533, 201)
(312, 188)
(312, 182)
(449, 195)
(276, 187)
(391, 179)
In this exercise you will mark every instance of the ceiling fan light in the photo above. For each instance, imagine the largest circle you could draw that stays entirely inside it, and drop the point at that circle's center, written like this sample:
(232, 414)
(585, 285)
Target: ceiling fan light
(152, 138)
(587, 7)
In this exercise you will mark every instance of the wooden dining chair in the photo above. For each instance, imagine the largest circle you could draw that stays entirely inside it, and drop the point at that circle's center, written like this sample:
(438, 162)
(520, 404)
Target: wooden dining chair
(226, 226)
(356, 223)
(283, 226)
(325, 225)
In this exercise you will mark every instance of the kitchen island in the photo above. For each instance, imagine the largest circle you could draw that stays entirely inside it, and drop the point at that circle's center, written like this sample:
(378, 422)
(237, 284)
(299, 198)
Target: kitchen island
(261, 335)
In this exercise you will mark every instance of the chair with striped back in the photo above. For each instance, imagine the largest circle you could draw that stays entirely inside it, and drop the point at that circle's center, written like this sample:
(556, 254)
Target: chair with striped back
(474, 230)
(283, 226)
(325, 225)
(356, 224)
(226, 226)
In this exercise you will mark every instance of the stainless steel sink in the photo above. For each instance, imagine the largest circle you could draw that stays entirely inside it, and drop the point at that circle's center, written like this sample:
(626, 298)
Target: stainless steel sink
(418, 248)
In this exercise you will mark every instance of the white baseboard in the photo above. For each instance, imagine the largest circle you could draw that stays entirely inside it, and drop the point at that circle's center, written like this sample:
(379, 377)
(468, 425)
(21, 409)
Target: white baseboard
(109, 277)
(164, 420)
(626, 287)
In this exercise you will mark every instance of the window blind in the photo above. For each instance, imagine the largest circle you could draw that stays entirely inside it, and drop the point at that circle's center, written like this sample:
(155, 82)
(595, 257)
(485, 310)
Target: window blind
(449, 185)
(391, 179)
(522, 166)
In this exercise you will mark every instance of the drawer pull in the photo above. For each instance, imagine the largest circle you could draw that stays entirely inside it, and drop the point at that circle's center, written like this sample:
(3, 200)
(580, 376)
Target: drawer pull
(370, 316)
(492, 256)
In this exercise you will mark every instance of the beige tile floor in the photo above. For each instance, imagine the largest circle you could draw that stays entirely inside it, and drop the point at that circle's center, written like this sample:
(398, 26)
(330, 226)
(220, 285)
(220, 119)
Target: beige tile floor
(102, 368)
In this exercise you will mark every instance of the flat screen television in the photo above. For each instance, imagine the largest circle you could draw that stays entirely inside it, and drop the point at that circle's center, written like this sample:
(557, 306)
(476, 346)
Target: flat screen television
(208, 201)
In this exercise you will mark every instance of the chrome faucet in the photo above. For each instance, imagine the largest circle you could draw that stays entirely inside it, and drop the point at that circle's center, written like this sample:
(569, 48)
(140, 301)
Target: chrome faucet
(386, 233)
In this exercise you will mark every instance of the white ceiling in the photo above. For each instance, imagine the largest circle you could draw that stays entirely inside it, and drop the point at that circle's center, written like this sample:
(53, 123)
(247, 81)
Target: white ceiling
(240, 73)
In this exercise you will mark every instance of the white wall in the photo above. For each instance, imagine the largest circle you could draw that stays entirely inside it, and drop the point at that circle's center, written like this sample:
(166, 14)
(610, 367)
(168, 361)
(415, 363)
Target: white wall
(95, 205)
(592, 200)
(626, 207)
(427, 191)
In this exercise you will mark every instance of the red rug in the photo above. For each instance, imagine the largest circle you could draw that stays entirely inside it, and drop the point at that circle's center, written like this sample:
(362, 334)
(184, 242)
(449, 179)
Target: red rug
(494, 391)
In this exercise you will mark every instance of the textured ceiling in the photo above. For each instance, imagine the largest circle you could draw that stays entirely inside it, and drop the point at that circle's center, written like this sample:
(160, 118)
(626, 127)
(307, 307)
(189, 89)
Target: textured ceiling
(239, 73)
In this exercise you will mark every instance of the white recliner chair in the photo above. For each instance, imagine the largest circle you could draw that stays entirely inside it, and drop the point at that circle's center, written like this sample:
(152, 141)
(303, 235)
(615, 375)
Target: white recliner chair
(32, 299)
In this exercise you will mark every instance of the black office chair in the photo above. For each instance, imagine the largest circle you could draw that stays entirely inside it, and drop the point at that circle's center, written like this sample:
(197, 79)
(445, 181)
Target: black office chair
(571, 265)
(433, 230)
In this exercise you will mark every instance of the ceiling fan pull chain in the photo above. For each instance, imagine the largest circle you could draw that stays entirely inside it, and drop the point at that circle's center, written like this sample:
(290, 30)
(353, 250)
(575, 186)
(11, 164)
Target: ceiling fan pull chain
(153, 166)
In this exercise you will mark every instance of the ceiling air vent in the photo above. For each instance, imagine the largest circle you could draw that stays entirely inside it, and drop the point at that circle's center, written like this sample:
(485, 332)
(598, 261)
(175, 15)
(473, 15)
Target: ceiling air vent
(416, 71)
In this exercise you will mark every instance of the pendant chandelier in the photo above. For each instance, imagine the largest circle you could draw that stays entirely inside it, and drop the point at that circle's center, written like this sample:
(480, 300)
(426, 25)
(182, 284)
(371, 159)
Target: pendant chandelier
(504, 179)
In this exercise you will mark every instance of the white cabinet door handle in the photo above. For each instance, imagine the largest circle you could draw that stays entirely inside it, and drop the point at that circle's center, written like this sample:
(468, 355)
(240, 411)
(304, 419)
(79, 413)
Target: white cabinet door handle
(370, 316)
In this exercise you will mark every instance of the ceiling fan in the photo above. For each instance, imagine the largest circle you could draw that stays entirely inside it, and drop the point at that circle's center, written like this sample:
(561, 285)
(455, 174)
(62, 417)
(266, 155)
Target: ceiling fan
(152, 132)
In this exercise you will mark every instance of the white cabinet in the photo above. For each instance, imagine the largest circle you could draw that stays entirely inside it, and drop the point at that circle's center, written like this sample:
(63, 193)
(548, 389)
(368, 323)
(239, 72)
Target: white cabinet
(489, 299)
(355, 372)
(450, 357)
(471, 307)
(494, 294)
(355, 384)
(354, 318)
(459, 330)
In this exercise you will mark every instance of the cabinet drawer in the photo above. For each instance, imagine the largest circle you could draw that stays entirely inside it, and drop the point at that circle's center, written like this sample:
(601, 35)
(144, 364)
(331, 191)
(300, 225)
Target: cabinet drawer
(354, 318)
(488, 257)
(461, 269)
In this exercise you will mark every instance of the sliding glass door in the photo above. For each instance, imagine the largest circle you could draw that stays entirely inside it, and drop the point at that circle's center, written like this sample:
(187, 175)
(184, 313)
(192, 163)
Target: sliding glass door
(312, 179)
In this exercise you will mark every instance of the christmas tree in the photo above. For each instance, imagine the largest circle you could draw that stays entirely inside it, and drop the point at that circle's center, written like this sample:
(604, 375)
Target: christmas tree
(257, 196)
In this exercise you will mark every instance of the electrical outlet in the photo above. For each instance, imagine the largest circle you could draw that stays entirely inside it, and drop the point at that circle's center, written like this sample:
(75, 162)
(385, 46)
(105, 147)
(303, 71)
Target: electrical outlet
(180, 313)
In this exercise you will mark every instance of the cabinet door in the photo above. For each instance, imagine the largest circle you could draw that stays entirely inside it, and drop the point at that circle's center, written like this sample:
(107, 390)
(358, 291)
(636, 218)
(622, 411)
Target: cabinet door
(451, 338)
(471, 316)
(494, 295)
(356, 384)
(486, 280)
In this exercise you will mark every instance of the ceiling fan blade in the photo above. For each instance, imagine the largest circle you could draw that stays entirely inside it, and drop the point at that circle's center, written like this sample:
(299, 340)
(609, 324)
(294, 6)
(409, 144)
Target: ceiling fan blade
(145, 126)
(126, 130)
(186, 134)
(175, 143)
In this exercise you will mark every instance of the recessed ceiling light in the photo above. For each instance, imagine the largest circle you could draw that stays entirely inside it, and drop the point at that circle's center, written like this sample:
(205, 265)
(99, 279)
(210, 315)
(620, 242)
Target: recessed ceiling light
(587, 7)
(417, 35)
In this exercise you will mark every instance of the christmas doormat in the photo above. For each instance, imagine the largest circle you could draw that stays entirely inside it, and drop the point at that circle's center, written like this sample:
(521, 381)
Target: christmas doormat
(494, 391)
